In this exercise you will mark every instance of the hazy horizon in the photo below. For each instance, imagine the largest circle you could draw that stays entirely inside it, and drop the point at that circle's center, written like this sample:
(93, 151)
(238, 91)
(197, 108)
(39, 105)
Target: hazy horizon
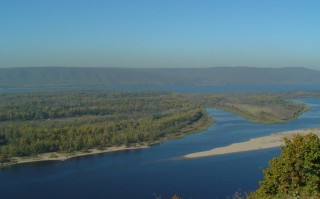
(254, 67)
(154, 34)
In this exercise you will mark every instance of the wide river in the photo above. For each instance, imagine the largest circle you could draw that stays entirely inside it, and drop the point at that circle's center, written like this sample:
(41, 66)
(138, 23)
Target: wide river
(158, 170)
(181, 88)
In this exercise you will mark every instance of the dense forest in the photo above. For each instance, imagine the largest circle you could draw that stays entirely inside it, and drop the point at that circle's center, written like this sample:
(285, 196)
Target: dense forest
(36, 123)
(61, 121)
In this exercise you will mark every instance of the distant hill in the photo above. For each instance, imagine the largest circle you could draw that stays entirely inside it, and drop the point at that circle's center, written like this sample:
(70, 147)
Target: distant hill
(73, 76)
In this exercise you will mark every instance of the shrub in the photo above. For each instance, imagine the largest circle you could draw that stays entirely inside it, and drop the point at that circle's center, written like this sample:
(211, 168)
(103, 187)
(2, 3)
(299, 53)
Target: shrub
(295, 173)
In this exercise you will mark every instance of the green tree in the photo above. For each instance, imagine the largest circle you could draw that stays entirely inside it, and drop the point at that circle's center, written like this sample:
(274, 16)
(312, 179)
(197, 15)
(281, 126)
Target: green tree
(295, 173)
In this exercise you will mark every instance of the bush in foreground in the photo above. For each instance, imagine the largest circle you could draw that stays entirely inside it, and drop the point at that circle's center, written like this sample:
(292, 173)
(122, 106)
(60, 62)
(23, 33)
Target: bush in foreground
(295, 173)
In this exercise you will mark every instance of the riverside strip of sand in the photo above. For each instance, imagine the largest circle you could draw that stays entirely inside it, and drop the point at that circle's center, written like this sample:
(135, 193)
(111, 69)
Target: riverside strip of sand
(54, 156)
(274, 140)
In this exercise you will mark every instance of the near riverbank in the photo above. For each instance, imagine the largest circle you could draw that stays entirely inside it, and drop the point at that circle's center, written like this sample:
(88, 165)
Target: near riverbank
(56, 156)
(198, 126)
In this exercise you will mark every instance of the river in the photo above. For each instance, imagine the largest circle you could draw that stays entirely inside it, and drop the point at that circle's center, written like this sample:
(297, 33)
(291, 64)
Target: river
(179, 88)
(158, 170)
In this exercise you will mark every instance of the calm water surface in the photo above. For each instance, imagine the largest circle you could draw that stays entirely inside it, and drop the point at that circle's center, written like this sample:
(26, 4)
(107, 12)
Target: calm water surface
(180, 88)
(155, 171)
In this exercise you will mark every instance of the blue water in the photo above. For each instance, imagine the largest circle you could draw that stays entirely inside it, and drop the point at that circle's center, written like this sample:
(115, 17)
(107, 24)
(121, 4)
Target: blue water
(158, 170)
(180, 88)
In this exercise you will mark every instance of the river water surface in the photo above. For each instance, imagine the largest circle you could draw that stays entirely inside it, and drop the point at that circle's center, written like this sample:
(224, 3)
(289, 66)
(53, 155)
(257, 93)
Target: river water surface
(158, 170)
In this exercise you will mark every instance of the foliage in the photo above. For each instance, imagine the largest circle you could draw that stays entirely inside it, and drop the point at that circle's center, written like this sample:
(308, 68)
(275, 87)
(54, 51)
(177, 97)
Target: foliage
(262, 108)
(71, 121)
(295, 173)
(175, 196)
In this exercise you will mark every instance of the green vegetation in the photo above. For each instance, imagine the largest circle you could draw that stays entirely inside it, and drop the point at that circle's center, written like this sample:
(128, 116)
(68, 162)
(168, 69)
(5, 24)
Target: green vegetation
(36, 123)
(262, 108)
(293, 95)
(296, 173)
(65, 122)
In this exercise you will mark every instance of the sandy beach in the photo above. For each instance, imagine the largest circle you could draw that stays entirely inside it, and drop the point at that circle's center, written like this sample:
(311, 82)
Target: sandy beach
(274, 140)
(54, 156)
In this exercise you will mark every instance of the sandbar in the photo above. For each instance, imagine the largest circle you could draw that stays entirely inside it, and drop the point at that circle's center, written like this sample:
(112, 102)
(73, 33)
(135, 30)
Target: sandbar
(271, 141)
(56, 156)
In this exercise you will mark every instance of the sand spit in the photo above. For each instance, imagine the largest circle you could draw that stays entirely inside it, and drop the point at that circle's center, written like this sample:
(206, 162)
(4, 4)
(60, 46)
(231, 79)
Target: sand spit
(54, 156)
(274, 140)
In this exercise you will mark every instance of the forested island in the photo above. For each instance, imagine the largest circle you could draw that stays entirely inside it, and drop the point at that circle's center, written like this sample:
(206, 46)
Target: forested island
(63, 122)
(265, 108)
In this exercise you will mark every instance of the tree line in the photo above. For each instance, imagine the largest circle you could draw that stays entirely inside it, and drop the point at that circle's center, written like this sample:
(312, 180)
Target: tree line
(72, 121)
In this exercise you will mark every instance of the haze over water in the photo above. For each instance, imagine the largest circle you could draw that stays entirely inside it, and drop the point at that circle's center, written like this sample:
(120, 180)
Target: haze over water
(158, 34)
(180, 88)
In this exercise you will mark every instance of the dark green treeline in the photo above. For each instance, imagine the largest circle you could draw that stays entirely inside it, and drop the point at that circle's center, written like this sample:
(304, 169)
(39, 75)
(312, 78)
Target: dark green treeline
(71, 121)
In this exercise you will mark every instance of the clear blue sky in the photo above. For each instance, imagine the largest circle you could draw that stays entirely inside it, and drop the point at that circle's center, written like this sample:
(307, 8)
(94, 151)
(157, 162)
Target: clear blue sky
(160, 33)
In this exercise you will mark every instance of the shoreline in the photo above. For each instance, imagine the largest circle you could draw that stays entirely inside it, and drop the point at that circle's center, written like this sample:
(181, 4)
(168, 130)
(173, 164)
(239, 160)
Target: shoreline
(255, 118)
(56, 156)
(266, 142)
(199, 126)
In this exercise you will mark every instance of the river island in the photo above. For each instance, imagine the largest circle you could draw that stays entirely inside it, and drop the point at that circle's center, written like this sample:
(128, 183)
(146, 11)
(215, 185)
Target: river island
(48, 126)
